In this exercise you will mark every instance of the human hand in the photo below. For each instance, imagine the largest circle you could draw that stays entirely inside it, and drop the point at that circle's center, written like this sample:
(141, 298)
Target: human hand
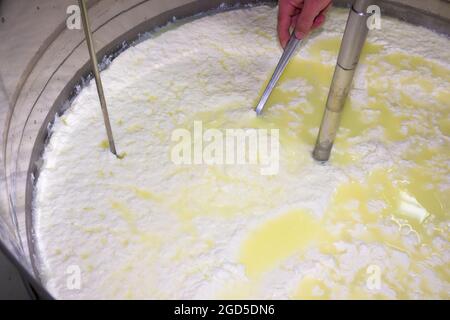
(302, 15)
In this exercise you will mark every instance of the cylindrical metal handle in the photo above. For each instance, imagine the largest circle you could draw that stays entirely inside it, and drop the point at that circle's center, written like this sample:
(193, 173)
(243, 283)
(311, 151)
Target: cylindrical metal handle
(284, 60)
(98, 80)
(361, 6)
(339, 89)
(355, 35)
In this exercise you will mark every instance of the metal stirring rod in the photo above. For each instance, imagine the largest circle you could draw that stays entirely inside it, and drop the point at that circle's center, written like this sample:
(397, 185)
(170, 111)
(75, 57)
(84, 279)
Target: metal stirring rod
(98, 81)
(284, 60)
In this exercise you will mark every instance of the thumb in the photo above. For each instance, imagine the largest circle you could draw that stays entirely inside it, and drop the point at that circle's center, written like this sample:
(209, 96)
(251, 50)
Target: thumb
(306, 19)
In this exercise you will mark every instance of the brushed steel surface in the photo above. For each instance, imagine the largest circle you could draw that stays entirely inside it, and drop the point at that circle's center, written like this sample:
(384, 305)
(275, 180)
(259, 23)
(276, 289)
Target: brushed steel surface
(98, 79)
(288, 52)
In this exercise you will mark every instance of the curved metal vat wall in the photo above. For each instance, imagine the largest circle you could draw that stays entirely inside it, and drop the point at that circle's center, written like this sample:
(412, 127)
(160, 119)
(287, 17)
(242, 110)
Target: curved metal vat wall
(42, 61)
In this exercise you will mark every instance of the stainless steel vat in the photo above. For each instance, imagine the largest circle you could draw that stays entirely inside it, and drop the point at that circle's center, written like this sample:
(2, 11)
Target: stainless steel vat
(42, 62)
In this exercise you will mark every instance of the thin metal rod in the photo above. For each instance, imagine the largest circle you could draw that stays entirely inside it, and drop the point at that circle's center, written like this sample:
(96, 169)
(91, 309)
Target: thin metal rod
(284, 60)
(98, 81)
(355, 35)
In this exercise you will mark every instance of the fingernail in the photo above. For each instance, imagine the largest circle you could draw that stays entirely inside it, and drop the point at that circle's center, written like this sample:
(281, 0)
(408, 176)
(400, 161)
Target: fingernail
(299, 34)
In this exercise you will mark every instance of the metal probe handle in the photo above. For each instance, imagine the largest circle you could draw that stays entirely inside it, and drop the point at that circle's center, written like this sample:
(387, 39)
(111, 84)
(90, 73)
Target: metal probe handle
(355, 35)
(284, 60)
(98, 81)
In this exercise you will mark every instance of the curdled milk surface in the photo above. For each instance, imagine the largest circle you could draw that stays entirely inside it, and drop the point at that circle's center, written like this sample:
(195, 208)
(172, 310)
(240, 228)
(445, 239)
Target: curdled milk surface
(371, 223)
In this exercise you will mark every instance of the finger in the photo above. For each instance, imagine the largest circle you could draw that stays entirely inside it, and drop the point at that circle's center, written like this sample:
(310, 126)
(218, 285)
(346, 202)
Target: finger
(318, 21)
(288, 11)
(312, 9)
(305, 20)
(325, 10)
(294, 18)
(285, 11)
(294, 21)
